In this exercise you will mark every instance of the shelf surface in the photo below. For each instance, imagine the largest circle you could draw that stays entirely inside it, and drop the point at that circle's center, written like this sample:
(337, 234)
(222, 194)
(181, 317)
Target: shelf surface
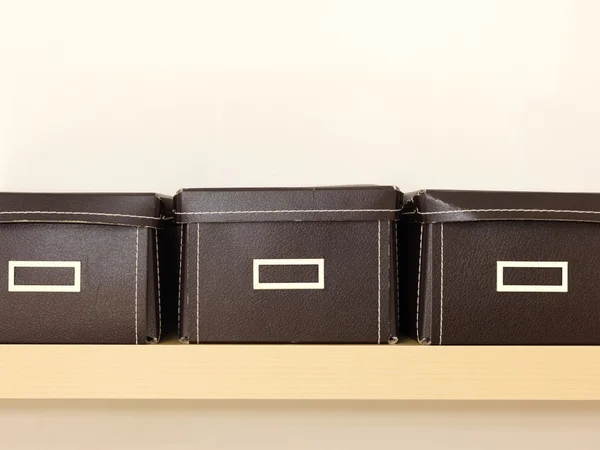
(299, 372)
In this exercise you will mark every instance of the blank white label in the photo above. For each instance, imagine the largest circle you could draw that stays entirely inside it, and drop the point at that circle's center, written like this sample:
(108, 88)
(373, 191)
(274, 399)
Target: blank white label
(75, 287)
(563, 287)
(319, 284)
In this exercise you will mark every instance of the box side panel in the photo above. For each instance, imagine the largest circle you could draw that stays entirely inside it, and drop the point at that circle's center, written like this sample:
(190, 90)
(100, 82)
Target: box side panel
(183, 281)
(288, 282)
(72, 284)
(154, 307)
(168, 278)
(417, 259)
(514, 283)
(393, 278)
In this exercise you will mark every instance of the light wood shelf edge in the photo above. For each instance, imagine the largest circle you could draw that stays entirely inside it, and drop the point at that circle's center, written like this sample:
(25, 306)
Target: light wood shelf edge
(299, 372)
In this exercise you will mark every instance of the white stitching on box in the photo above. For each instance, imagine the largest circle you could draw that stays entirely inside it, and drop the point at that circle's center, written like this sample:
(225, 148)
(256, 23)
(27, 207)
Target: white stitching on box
(441, 282)
(198, 283)
(179, 289)
(94, 222)
(565, 211)
(379, 280)
(81, 213)
(419, 279)
(158, 286)
(283, 211)
(137, 234)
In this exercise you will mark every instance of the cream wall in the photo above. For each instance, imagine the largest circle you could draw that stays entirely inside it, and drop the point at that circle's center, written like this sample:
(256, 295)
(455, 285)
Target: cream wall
(302, 425)
(155, 95)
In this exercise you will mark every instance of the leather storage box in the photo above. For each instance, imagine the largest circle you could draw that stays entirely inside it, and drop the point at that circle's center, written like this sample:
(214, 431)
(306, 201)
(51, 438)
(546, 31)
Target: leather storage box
(304, 265)
(80, 268)
(501, 268)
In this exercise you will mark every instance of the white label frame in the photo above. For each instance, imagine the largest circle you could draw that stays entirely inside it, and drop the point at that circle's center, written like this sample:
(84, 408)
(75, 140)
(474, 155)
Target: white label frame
(563, 287)
(319, 284)
(75, 287)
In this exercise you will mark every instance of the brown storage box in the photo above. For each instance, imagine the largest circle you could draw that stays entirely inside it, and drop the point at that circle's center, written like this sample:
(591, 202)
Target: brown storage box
(80, 268)
(308, 265)
(501, 268)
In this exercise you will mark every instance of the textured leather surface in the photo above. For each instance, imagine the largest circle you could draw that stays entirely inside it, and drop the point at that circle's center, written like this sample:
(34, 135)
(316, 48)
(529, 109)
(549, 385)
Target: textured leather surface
(219, 302)
(111, 209)
(457, 293)
(105, 309)
(434, 206)
(356, 203)
(118, 297)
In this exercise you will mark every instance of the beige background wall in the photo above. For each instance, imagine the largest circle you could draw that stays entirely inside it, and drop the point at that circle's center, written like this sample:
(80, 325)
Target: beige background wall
(300, 425)
(153, 95)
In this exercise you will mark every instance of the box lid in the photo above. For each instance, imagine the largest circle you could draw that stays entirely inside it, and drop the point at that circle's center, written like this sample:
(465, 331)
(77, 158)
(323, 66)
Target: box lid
(143, 210)
(430, 206)
(342, 203)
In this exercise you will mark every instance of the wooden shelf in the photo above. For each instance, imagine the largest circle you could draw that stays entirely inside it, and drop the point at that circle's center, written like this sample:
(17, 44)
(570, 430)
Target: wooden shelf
(299, 372)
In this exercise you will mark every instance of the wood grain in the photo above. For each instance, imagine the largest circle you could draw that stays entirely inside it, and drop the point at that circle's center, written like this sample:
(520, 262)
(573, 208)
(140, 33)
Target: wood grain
(299, 372)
